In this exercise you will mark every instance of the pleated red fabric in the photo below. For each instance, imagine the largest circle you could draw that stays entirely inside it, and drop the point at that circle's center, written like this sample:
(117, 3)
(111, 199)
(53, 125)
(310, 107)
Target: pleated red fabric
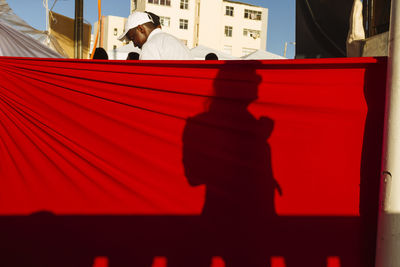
(109, 137)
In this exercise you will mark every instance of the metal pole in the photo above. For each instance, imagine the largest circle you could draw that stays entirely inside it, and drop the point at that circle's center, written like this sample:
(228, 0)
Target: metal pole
(371, 19)
(78, 30)
(284, 51)
(46, 6)
(388, 239)
(46, 3)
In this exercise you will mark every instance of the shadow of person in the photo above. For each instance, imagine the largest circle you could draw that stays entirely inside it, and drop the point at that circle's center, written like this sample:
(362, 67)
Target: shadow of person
(226, 149)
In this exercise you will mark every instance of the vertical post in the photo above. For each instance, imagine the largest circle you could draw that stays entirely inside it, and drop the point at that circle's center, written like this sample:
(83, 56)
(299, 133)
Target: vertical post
(46, 3)
(366, 16)
(46, 6)
(78, 29)
(284, 51)
(388, 239)
(371, 18)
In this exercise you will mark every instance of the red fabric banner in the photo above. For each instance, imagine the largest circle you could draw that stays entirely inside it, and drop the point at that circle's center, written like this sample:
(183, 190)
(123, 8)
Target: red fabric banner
(260, 140)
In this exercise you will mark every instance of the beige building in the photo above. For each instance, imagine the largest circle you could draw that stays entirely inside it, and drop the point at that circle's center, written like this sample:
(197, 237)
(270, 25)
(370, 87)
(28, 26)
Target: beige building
(111, 27)
(235, 28)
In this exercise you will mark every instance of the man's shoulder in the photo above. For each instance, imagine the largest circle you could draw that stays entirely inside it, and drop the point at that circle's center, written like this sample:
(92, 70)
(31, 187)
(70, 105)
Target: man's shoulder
(167, 46)
(160, 35)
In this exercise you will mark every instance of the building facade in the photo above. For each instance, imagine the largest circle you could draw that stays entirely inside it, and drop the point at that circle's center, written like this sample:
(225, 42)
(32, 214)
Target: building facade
(235, 28)
(111, 27)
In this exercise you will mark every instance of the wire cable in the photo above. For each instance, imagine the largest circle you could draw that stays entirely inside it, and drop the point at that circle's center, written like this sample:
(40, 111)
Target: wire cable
(321, 30)
(55, 1)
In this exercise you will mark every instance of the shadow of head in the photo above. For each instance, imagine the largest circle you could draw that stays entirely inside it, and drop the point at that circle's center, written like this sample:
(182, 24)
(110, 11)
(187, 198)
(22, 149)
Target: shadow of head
(237, 82)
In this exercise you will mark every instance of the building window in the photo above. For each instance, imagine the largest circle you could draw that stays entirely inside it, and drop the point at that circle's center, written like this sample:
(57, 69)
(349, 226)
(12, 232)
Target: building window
(184, 4)
(247, 51)
(251, 33)
(115, 31)
(165, 21)
(227, 49)
(228, 31)
(229, 11)
(183, 24)
(252, 14)
(114, 47)
(160, 2)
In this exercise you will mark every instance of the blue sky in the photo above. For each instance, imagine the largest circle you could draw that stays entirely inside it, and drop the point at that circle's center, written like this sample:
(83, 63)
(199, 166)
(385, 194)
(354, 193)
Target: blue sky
(281, 21)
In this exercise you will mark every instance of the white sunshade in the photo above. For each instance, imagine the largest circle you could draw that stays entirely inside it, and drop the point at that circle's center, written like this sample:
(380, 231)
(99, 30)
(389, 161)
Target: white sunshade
(19, 39)
(200, 52)
(14, 43)
(261, 54)
(121, 53)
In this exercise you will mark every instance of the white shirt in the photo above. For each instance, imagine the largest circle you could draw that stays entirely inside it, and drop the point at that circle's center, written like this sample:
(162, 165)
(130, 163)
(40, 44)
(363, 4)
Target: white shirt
(163, 46)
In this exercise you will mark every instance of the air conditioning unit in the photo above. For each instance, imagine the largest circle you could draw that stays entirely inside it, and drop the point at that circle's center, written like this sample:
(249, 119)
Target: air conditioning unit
(255, 35)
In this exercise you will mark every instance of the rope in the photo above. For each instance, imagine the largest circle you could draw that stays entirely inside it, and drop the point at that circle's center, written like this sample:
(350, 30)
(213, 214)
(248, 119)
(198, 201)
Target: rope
(51, 9)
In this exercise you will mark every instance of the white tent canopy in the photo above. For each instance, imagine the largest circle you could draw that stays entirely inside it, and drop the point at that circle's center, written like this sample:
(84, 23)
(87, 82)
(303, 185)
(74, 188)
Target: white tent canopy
(14, 43)
(200, 52)
(262, 54)
(121, 53)
(19, 39)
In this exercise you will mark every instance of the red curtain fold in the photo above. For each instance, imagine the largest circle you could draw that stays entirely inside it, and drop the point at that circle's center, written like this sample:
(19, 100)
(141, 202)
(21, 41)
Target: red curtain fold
(97, 137)
(248, 162)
